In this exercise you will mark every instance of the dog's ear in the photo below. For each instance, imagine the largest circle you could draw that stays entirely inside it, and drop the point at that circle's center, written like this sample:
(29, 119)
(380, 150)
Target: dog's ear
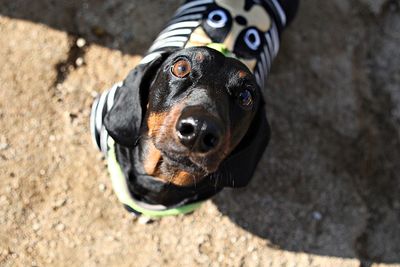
(124, 119)
(243, 161)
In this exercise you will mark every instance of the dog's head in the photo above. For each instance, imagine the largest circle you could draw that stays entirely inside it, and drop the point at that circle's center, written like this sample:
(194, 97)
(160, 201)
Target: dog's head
(188, 111)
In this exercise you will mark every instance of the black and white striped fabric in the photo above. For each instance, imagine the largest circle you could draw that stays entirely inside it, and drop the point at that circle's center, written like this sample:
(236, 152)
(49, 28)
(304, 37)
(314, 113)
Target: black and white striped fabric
(100, 107)
(196, 14)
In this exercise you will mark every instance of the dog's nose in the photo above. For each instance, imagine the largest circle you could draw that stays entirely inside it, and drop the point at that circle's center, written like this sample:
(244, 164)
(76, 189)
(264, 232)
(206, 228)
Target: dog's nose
(199, 132)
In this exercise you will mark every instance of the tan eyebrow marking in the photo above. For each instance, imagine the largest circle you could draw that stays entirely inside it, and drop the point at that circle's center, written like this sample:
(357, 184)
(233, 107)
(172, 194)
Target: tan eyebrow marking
(199, 57)
(242, 74)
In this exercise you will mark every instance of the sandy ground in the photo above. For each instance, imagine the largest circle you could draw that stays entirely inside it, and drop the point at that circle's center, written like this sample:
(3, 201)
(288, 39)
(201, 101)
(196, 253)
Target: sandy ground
(326, 192)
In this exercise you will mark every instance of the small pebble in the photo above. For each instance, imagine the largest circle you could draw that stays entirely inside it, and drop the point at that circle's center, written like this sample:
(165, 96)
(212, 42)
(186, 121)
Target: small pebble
(60, 227)
(80, 42)
(254, 256)
(3, 143)
(79, 61)
(59, 203)
(94, 93)
(36, 227)
(144, 220)
(15, 184)
(200, 240)
(32, 216)
(250, 248)
(317, 215)
(102, 187)
(3, 199)
(5, 252)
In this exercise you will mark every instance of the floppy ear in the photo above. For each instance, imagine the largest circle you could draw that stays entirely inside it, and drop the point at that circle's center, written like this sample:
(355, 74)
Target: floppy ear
(244, 159)
(124, 119)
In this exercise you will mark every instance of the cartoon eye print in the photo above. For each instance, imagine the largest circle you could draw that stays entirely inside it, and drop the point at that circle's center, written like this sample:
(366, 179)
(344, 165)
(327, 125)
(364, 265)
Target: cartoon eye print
(217, 18)
(249, 43)
(252, 39)
(217, 23)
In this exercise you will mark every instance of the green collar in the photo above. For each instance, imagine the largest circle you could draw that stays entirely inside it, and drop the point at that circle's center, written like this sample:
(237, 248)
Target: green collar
(121, 190)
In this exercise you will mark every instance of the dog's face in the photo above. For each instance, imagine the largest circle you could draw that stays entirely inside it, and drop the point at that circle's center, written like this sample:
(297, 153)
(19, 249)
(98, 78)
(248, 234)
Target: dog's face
(200, 106)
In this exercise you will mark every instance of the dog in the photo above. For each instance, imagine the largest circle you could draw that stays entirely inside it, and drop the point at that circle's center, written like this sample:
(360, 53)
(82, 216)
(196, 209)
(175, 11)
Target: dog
(190, 119)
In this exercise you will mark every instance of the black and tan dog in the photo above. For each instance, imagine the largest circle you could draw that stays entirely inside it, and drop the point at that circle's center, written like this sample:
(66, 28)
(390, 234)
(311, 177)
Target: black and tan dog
(190, 119)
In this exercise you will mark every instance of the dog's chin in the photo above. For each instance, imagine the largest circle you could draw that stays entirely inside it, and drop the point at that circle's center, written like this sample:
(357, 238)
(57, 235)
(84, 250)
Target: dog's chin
(196, 167)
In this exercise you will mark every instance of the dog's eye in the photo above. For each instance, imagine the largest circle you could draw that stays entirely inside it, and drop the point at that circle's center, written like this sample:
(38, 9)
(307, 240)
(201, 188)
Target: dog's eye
(181, 68)
(245, 99)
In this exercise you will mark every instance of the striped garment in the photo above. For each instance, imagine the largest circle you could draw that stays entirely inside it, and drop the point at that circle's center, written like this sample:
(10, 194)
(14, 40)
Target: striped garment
(248, 30)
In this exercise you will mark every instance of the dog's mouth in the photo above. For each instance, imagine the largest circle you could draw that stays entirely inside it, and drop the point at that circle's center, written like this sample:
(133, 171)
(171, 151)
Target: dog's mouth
(197, 166)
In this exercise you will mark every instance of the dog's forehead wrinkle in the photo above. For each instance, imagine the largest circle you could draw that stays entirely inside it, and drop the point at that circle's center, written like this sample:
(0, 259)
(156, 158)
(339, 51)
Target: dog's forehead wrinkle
(191, 53)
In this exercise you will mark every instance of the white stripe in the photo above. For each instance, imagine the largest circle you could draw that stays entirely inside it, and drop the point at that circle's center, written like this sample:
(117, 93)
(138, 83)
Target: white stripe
(267, 57)
(192, 10)
(280, 11)
(170, 44)
(263, 65)
(275, 39)
(192, 4)
(99, 111)
(103, 140)
(168, 40)
(188, 17)
(111, 95)
(185, 24)
(258, 79)
(263, 79)
(261, 72)
(173, 33)
(270, 44)
(93, 123)
(150, 57)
